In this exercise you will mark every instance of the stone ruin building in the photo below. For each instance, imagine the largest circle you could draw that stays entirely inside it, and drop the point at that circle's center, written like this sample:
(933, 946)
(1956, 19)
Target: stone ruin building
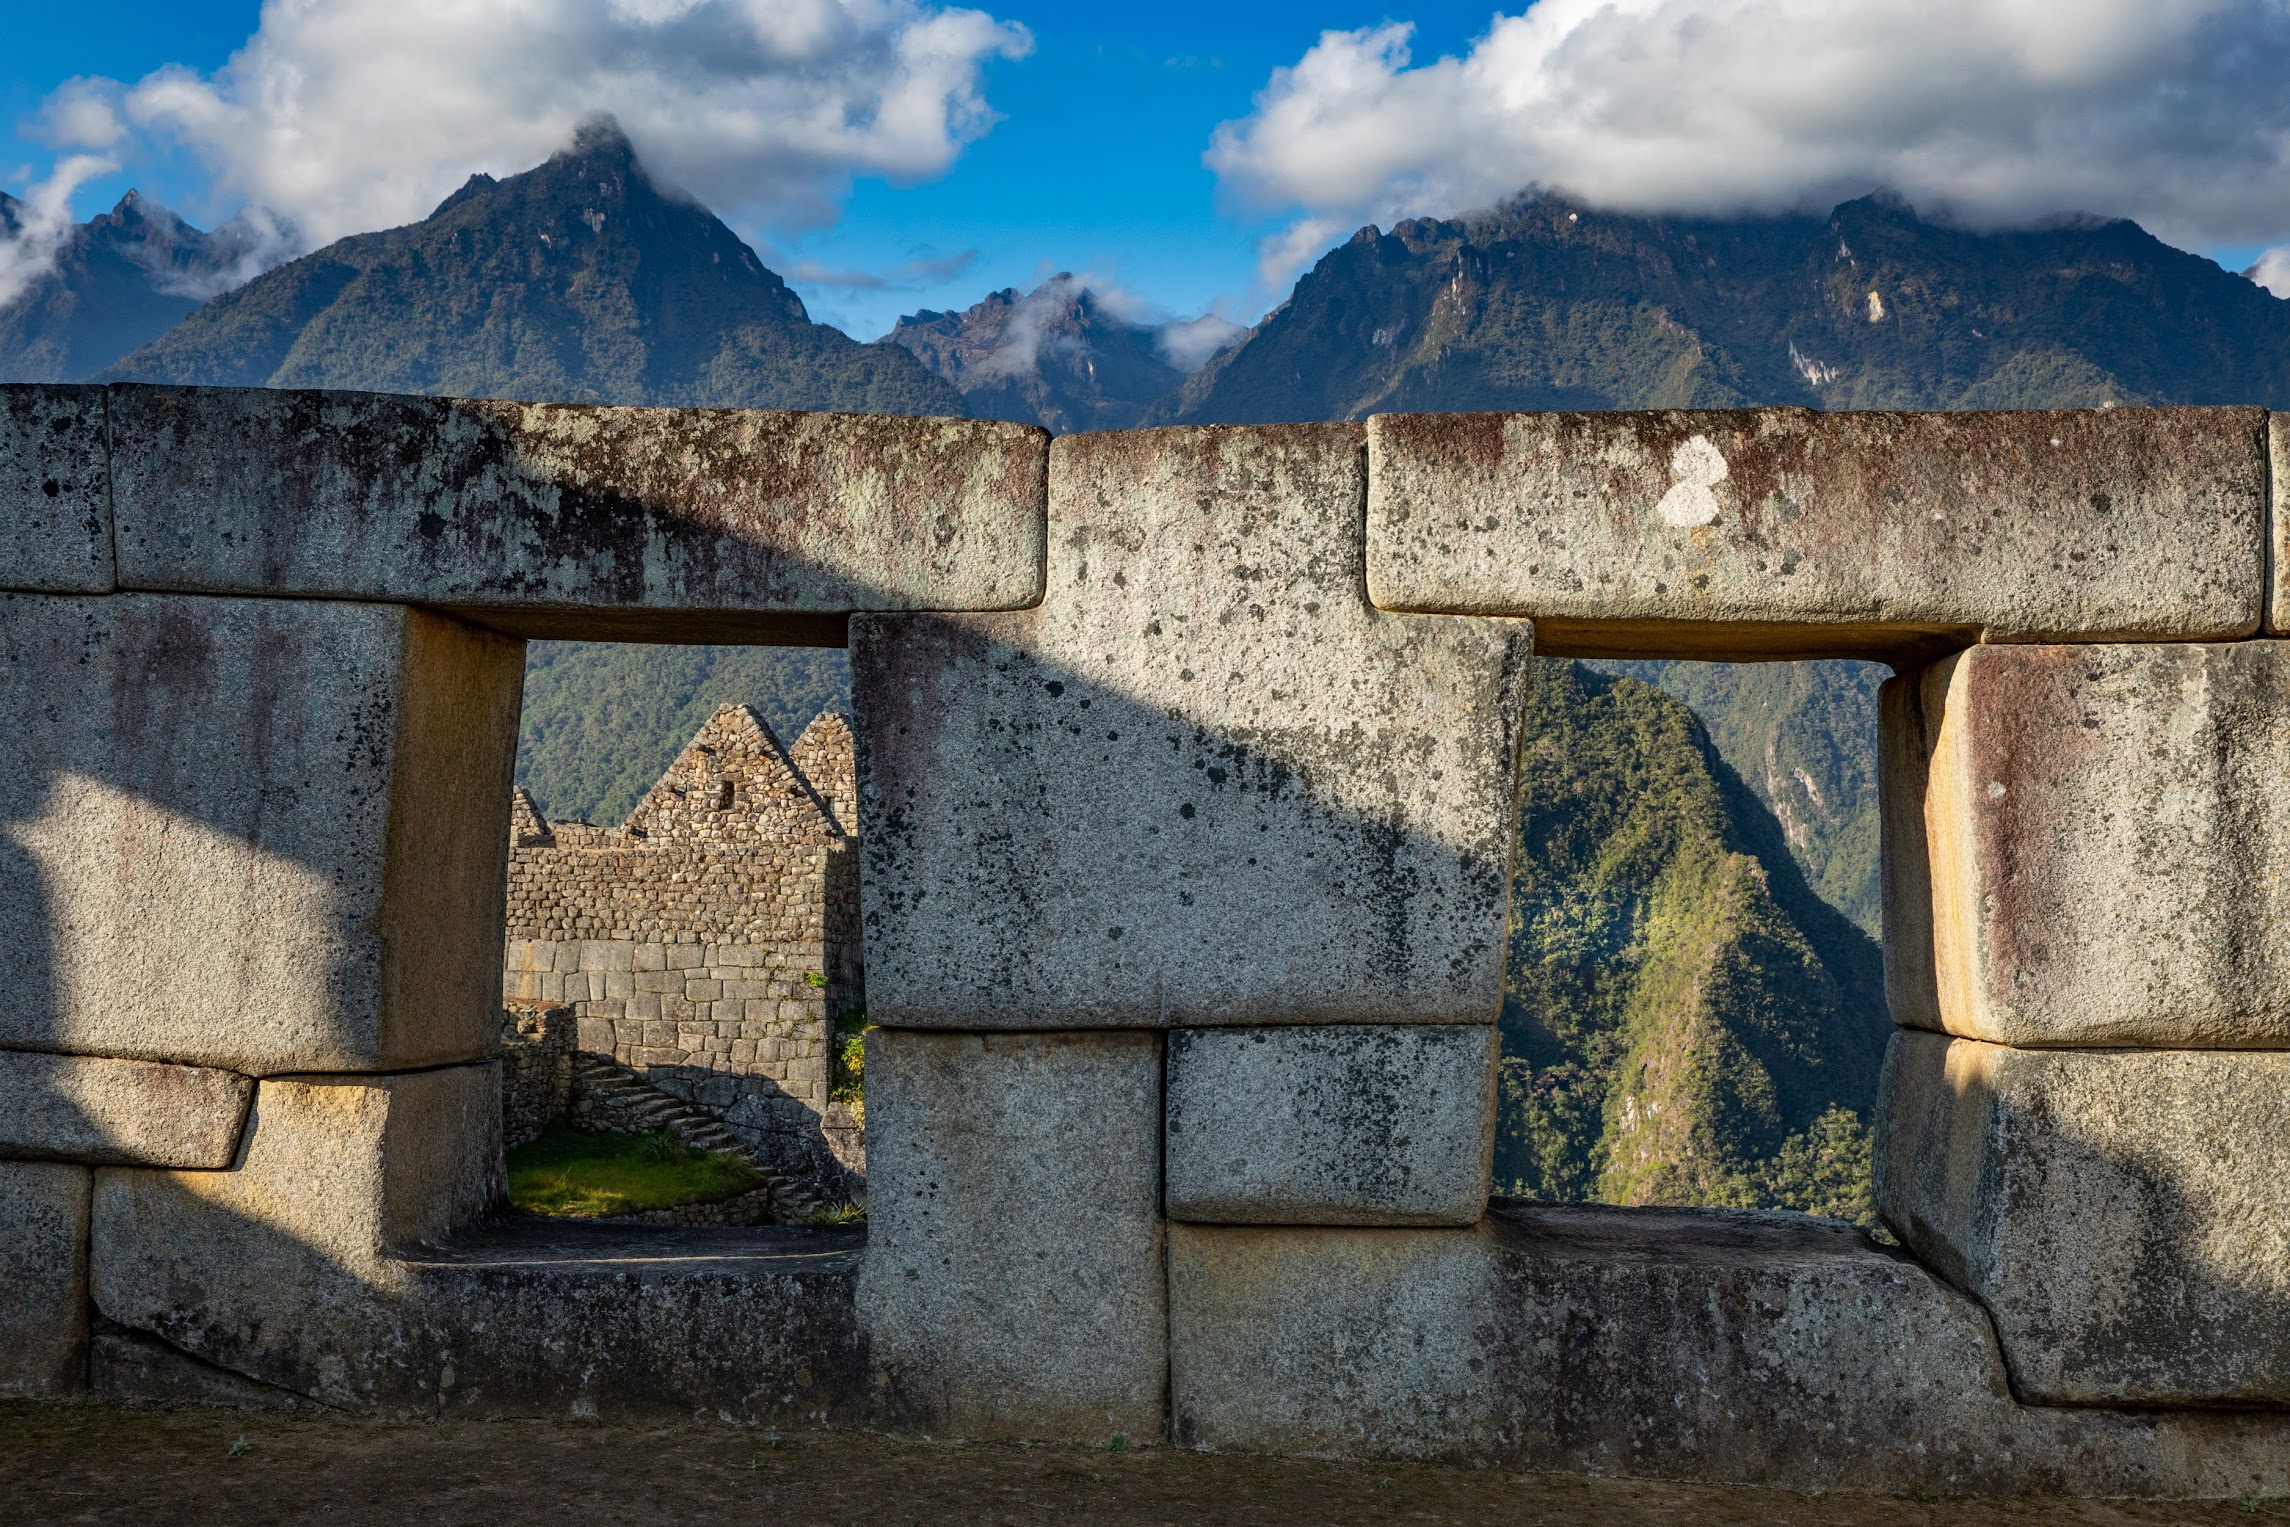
(1185, 788)
(706, 946)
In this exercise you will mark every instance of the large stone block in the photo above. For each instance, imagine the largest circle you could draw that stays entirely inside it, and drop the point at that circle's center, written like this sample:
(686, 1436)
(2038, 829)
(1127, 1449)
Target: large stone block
(1013, 1284)
(288, 1270)
(1349, 1124)
(1789, 532)
(2090, 845)
(119, 1112)
(55, 491)
(1728, 1347)
(264, 835)
(559, 519)
(43, 1278)
(2125, 1216)
(1203, 783)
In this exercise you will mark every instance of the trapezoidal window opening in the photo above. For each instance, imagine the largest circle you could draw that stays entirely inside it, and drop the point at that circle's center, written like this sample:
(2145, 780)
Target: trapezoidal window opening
(1694, 1009)
(683, 986)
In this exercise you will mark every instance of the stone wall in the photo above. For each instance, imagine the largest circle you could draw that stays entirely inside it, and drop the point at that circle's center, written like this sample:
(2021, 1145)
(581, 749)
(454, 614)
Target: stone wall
(709, 942)
(1186, 790)
(536, 1070)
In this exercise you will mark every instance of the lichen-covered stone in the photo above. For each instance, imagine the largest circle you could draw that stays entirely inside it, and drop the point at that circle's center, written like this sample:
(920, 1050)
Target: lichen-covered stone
(1203, 783)
(1012, 1285)
(556, 519)
(1788, 532)
(1749, 1348)
(55, 491)
(259, 834)
(43, 1279)
(1348, 1124)
(2124, 1215)
(2090, 845)
(119, 1112)
(287, 1269)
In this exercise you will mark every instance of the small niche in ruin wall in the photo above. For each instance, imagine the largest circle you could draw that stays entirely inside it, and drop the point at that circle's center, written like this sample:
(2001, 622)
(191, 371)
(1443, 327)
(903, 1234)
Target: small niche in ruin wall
(710, 942)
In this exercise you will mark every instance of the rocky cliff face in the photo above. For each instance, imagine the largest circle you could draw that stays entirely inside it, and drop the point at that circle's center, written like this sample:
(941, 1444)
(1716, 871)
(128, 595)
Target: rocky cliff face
(578, 281)
(1056, 356)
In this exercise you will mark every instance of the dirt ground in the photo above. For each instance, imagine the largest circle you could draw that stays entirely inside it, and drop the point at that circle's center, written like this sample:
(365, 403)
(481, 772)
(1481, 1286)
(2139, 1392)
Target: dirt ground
(104, 1466)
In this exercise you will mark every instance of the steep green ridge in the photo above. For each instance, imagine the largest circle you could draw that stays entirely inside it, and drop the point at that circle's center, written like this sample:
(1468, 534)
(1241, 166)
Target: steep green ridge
(578, 281)
(1803, 736)
(602, 720)
(1546, 304)
(1684, 1022)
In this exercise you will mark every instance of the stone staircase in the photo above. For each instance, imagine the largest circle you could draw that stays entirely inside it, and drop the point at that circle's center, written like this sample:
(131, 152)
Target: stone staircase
(643, 1106)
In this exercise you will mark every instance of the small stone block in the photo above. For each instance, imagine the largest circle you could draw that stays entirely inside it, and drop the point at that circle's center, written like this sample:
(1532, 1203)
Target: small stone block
(2090, 845)
(1013, 1284)
(2124, 1215)
(119, 1112)
(1335, 1125)
(43, 1279)
(55, 491)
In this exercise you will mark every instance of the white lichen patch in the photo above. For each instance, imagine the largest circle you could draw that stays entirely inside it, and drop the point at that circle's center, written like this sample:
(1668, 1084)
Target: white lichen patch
(1695, 468)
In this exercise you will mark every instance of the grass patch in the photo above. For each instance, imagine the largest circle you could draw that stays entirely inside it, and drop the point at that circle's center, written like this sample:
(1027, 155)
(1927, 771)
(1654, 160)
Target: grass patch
(564, 1172)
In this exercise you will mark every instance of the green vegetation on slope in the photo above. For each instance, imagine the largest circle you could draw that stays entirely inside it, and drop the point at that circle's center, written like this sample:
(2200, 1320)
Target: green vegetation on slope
(564, 1172)
(1803, 736)
(1685, 1022)
(602, 719)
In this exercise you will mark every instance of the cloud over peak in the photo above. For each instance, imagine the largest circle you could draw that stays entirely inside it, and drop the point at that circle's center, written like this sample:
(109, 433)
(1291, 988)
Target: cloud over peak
(347, 115)
(1995, 111)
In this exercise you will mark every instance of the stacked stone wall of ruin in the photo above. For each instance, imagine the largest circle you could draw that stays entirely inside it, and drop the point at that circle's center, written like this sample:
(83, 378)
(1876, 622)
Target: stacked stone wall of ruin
(709, 942)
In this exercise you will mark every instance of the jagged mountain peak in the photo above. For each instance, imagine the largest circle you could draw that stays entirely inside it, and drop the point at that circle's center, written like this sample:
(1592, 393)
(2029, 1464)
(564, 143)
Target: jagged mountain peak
(1062, 355)
(579, 280)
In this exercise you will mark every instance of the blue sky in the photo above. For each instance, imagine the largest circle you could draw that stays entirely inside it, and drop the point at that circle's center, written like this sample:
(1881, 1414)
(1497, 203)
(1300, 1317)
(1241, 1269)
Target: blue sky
(1096, 164)
(2170, 111)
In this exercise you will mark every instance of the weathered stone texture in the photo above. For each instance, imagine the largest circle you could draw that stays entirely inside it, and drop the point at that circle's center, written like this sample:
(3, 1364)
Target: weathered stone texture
(1349, 1124)
(55, 491)
(1790, 532)
(286, 1269)
(43, 1279)
(256, 834)
(2090, 845)
(2125, 1215)
(119, 1112)
(690, 523)
(1682, 1344)
(1013, 1284)
(1204, 783)
(529, 1317)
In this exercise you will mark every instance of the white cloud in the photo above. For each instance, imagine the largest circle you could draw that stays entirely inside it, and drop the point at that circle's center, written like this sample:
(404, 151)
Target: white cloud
(1994, 111)
(909, 275)
(346, 115)
(2273, 270)
(38, 225)
(1185, 343)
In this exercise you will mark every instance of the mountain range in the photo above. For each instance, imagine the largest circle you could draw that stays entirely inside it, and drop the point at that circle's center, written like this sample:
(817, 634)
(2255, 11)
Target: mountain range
(1693, 1013)
(578, 281)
